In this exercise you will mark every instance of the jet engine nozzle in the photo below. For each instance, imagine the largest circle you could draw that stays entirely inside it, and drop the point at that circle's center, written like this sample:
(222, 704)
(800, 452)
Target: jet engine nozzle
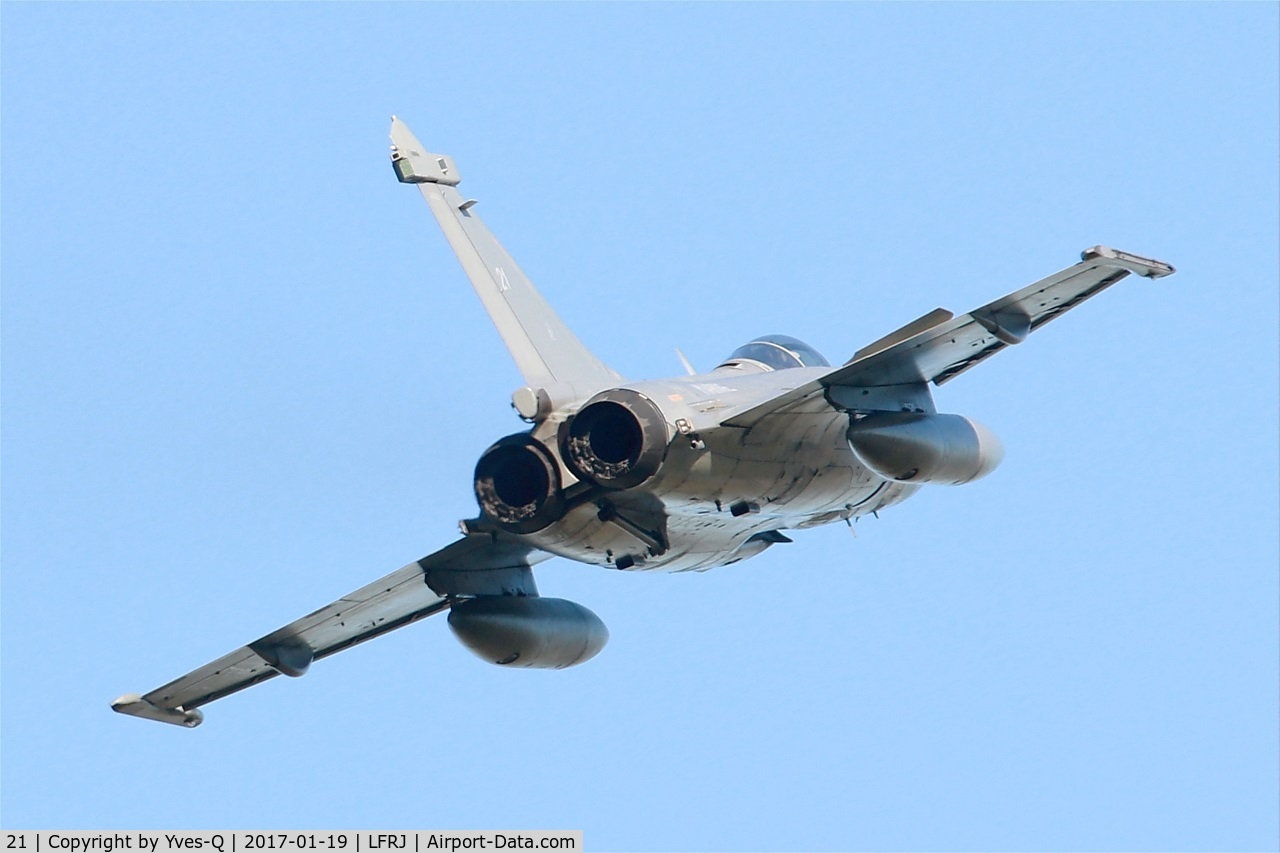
(617, 440)
(911, 447)
(518, 485)
(543, 633)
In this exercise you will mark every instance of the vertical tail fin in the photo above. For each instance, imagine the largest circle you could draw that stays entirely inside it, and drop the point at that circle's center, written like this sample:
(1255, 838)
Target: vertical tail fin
(544, 349)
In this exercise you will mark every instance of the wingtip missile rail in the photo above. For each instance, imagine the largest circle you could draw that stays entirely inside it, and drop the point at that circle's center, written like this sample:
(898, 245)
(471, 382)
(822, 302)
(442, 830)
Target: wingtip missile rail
(136, 706)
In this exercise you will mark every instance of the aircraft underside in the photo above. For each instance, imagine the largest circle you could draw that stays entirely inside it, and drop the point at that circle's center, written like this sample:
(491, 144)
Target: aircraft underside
(724, 497)
(678, 474)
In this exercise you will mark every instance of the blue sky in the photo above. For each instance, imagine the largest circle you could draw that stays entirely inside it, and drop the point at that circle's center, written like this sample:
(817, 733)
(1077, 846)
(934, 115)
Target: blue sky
(242, 375)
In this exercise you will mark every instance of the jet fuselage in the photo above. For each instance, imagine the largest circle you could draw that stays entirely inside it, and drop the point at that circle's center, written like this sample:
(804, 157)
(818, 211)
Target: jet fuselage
(719, 495)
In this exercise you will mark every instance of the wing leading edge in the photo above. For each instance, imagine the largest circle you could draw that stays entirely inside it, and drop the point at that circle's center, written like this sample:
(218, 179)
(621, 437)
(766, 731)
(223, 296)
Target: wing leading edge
(480, 564)
(938, 347)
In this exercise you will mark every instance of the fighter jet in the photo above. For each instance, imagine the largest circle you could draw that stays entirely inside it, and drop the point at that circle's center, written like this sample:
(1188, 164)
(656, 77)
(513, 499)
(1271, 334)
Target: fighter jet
(680, 474)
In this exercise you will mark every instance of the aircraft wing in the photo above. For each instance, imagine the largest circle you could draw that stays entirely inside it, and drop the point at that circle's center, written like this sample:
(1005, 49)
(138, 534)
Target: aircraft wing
(480, 564)
(938, 346)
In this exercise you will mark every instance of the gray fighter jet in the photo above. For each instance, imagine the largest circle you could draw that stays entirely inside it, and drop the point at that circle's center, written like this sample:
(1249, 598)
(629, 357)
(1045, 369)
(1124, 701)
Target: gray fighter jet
(681, 474)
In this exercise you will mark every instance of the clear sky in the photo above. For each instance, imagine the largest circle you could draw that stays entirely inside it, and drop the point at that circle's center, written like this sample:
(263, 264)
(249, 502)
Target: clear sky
(242, 375)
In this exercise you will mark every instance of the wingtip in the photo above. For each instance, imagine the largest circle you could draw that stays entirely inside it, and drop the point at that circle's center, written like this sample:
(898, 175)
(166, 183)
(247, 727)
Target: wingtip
(137, 706)
(1146, 267)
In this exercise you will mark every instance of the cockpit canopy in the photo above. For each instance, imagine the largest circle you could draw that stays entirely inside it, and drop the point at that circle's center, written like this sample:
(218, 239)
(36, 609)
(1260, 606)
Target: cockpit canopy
(777, 352)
